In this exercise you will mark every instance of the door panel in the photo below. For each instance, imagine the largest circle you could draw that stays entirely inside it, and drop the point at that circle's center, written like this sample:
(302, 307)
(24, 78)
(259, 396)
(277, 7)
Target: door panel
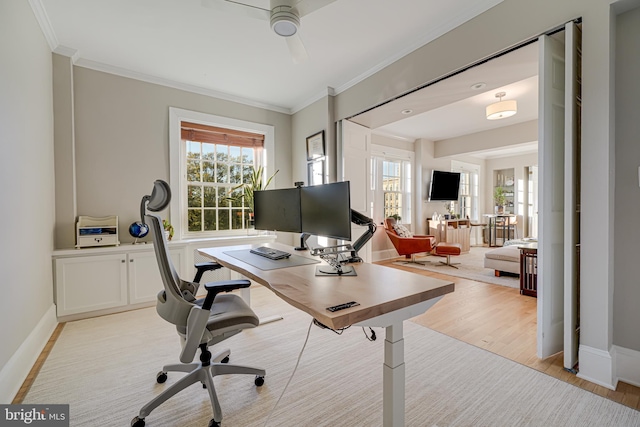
(551, 200)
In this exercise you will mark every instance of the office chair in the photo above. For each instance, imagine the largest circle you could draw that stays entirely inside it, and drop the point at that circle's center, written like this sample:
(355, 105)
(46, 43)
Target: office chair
(200, 323)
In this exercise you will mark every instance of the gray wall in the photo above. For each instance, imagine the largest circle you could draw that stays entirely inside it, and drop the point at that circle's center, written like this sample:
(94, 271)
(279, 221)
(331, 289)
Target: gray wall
(626, 316)
(122, 142)
(26, 176)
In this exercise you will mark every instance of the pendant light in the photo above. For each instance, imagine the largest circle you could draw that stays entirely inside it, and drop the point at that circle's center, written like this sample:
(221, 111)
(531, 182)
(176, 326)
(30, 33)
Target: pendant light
(501, 109)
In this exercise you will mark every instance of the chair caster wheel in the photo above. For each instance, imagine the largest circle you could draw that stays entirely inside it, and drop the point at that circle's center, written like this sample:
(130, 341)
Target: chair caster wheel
(225, 360)
(259, 381)
(214, 423)
(161, 377)
(137, 422)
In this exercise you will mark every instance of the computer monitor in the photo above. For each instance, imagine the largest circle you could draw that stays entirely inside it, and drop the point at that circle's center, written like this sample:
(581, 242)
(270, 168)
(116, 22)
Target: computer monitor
(277, 210)
(326, 210)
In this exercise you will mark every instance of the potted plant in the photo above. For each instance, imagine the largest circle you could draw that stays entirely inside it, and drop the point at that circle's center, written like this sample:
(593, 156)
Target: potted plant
(500, 198)
(245, 190)
(168, 229)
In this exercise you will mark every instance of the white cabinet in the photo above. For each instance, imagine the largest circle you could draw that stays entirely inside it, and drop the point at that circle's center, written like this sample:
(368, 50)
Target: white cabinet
(90, 283)
(144, 276)
(94, 282)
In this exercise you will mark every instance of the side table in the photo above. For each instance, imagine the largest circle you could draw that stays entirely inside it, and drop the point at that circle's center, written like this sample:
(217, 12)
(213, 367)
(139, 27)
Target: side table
(529, 269)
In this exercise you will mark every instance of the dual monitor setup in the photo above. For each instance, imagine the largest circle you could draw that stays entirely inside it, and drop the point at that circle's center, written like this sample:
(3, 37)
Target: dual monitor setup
(320, 210)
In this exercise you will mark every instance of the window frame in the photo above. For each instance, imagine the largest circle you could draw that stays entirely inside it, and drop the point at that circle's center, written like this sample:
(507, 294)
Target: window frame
(178, 169)
(473, 171)
(379, 154)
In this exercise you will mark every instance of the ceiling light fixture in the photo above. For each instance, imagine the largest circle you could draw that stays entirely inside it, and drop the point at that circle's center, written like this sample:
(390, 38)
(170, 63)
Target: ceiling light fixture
(478, 86)
(407, 111)
(501, 109)
(284, 21)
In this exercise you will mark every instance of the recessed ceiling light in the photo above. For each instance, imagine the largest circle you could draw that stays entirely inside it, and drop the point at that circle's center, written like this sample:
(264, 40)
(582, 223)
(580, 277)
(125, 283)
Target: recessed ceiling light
(478, 86)
(407, 111)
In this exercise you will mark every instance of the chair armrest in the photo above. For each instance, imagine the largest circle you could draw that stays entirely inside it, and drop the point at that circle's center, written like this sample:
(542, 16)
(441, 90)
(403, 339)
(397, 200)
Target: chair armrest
(214, 288)
(203, 267)
(422, 236)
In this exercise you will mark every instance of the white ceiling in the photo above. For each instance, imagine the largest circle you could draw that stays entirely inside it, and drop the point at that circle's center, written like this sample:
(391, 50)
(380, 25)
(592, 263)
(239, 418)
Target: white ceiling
(199, 48)
(452, 107)
(193, 46)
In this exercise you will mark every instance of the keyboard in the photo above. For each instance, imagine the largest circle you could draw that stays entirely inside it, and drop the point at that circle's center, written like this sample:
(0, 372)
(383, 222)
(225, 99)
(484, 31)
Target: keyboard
(270, 253)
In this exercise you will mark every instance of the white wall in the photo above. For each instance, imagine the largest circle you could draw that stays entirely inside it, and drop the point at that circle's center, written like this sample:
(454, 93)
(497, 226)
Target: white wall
(27, 190)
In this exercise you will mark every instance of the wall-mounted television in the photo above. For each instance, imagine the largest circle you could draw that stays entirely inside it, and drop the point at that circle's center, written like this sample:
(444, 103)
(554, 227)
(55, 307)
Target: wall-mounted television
(445, 186)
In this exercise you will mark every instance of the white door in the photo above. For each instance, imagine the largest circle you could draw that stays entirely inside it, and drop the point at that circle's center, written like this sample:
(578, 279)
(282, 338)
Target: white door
(354, 165)
(551, 197)
(573, 40)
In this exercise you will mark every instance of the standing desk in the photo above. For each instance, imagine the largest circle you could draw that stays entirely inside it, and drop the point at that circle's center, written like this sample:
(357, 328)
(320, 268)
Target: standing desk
(387, 297)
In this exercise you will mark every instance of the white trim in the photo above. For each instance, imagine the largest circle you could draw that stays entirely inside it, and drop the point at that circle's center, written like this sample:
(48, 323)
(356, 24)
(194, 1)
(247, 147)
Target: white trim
(383, 255)
(69, 52)
(177, 169)
(597, 366)
(18, 367)
(44, 22)
(123, 72)
(627, 363)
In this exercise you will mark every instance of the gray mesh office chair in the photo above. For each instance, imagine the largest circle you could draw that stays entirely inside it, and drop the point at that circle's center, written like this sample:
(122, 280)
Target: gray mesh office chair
(200, 323)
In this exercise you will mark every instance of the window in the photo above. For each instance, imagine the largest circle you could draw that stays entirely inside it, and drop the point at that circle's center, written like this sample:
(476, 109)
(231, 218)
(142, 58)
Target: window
(392, 184)
(210, 157)
(468, 197)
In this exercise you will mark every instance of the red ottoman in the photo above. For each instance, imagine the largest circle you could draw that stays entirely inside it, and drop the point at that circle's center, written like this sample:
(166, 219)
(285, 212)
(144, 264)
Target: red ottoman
(448, 249)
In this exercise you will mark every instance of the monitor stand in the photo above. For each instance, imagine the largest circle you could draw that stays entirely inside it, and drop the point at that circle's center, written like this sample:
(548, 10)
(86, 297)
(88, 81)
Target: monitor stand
(303, 242)
(328, 270)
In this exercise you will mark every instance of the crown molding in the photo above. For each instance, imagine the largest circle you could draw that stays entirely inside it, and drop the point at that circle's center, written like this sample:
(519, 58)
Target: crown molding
(69, 52)
(391, 135)
(45, 23)
(98, 66)
(329, 91)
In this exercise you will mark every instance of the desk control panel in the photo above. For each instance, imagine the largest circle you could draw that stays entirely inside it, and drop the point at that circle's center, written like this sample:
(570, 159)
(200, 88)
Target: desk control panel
(343, 306)
(270, 253)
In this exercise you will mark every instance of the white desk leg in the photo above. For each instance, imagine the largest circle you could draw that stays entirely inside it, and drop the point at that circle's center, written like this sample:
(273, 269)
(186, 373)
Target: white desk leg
(393, 379)
(245, 293)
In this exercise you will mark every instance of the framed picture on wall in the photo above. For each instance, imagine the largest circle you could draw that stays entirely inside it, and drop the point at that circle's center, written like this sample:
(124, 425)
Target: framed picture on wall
(315, 146)
(315, 172)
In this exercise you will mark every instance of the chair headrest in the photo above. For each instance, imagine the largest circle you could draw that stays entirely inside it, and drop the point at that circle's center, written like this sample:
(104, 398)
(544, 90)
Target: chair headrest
(158, 200)
(160, 196)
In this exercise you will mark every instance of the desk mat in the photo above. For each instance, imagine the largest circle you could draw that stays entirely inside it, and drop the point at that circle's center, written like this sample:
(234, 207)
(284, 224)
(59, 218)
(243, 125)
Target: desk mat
(264, 263)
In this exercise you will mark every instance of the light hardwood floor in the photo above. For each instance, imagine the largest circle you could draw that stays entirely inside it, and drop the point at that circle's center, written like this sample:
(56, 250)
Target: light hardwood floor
(500, 320)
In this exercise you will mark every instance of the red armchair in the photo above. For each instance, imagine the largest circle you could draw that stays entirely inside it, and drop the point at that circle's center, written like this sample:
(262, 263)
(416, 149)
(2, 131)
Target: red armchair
(408, 246)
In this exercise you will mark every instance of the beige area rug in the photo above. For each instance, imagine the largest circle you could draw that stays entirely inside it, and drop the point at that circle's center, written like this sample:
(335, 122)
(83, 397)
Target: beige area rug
(105, 369)
(471, 267)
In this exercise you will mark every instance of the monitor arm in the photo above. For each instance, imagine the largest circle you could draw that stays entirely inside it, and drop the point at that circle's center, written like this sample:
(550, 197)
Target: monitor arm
(359, 219)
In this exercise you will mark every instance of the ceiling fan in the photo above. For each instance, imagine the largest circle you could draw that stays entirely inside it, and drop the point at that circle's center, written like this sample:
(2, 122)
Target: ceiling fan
(283, 15)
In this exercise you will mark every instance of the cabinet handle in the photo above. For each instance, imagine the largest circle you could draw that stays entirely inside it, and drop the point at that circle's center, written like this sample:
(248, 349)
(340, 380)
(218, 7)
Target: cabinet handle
(122, 261)
(130, 260)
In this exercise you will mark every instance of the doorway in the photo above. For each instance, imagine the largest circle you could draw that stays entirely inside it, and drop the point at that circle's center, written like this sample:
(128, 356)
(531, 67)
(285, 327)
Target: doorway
(439, 103)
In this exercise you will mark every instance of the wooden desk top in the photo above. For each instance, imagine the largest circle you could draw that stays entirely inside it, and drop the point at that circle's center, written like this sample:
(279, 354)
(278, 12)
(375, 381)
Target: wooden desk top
(378, 289)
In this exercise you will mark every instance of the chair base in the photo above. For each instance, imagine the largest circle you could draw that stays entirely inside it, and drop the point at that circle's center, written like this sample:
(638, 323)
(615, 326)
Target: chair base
(196, 372)
(448, 263)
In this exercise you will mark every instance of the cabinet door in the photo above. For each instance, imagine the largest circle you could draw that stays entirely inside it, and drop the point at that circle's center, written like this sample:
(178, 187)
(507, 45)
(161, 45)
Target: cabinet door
(90, 283)
(144, 276)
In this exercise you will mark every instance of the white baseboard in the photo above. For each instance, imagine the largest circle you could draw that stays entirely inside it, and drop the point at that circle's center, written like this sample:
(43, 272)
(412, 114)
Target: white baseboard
(383, 255)
(597, 366)
(17, 368)
(627, 364)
